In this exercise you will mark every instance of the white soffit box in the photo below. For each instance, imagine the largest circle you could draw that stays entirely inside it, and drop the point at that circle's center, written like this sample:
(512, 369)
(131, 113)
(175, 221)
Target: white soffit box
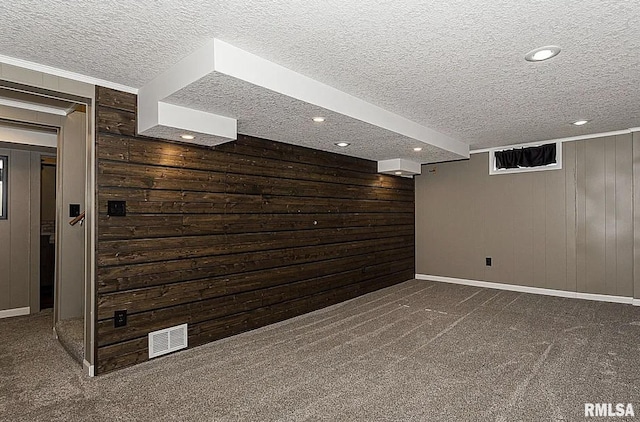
(209, 126)
(161, 120)
(399, 167)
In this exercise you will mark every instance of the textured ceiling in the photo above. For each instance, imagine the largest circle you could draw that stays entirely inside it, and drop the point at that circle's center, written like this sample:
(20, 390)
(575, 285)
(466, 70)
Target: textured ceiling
(454, 66)
(270, 115)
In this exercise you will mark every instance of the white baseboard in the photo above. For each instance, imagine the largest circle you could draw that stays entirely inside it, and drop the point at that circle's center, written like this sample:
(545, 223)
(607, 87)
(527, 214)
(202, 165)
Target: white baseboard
(89, 369)
(534, 290)
(15, 312)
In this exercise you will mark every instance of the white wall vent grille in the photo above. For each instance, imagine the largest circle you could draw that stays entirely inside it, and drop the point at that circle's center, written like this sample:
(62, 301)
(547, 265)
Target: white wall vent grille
(168, 340)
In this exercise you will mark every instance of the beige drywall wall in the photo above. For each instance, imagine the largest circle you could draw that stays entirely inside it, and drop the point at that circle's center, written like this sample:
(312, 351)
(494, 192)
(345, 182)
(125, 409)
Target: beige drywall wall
(70, 282)
(567, 229)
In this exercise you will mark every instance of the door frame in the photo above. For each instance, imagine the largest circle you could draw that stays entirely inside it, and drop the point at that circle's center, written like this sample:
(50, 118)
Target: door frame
(83, 93)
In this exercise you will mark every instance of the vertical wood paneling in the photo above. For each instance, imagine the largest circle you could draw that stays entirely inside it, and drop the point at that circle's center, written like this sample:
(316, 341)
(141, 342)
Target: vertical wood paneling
(595, 215)
(444, 192)
(610, 257)
(19, 210)
(569, 165)
(231, 238)
(580, 212)
(475, 215)
(20, 233)
(497, 230)
(539, 207)
(624, 216)
(555, 230)
(507, 217)
(5, 258)
(570, 229)
(605, 188)
(521, 239)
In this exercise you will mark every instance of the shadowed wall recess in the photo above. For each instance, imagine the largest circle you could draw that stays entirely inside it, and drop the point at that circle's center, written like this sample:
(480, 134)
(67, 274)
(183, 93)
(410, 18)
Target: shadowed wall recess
(235, 237)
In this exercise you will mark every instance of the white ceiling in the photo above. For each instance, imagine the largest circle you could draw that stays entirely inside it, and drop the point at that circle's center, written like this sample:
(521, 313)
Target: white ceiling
(456, 67)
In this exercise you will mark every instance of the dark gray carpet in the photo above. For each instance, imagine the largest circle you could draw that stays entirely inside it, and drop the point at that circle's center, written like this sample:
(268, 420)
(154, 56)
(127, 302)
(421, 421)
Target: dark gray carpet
(419, 351)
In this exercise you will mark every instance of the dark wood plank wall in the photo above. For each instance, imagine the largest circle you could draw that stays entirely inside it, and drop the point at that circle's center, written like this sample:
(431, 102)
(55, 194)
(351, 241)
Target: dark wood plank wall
(235, 237)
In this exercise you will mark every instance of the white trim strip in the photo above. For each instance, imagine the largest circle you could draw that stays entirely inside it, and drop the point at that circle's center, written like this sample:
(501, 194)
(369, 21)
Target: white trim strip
(534, 290)
(65, 74)
(33, 107)
(15, 312)
(90, 369)
(548, 141)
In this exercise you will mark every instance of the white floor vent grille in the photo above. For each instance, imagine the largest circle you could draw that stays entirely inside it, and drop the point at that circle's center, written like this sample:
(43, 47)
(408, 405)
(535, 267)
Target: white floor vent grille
(168, 340)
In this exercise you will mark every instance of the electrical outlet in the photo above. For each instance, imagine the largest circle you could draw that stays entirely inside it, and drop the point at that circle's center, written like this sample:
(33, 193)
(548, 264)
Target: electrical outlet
(120, 318)
(117, 208)
(487, 261)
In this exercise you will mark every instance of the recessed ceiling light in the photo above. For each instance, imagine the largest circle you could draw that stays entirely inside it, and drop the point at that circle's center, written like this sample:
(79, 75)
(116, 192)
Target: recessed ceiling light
(342, 144)
(398, 172)
(318, 119)
(580, 122)
(417, 149)
(187, 137)
(542, 53)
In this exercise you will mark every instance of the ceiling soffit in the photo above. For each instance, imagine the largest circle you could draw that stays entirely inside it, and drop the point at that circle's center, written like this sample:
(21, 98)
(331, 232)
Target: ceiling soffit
(170, 106)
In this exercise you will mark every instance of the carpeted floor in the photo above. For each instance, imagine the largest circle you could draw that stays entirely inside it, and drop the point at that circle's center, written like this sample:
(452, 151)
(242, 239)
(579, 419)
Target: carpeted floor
(419, 351)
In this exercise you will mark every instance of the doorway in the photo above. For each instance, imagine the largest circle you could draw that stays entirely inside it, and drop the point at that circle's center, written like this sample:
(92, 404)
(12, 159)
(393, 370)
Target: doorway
(21, 150)
(47, 230)
(50, 184)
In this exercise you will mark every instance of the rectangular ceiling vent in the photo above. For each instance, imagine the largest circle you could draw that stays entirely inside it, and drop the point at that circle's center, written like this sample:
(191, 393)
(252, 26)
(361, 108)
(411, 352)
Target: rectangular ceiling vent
(168, 340)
